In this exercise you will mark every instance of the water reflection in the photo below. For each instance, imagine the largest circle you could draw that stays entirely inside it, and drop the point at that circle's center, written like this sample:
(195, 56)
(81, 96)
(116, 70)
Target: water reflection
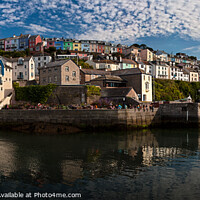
(140, 164)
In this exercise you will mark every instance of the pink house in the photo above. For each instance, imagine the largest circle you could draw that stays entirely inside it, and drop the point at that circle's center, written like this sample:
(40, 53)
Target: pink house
(33, 41)
(50, 43)
(93, 46)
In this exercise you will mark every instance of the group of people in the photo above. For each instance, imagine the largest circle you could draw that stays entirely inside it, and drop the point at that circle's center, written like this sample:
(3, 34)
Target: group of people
(39, 106)
(139, 107)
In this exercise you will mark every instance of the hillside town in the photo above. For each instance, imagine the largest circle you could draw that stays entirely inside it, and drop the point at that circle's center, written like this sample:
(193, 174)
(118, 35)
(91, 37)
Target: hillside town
(120, 71)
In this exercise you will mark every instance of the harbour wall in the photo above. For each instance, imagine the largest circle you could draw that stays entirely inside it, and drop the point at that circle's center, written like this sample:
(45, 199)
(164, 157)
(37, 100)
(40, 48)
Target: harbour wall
(68, 121)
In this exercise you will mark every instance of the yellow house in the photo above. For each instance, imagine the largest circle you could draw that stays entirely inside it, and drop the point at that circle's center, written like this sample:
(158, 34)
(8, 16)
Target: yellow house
(76, 46)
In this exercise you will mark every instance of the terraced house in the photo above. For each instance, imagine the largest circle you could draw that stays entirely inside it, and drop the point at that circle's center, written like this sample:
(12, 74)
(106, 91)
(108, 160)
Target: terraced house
(76, 45)
(34, 40)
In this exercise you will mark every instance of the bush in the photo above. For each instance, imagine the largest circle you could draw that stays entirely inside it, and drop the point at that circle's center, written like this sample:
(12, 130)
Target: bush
(34, 93)
(93, 90)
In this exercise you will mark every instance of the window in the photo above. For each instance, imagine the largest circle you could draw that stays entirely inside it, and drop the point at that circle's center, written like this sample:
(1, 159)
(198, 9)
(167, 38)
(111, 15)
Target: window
(74, 74)
(147, 86)
(31, 66)
(15, 67)
(66, 78)
(55, 78)
(39, 58)
(44, 80)
(49, 79)
(44, 58)
(20, 61)
(25, 72)
(144, 77)
(31, 74)
(38, 64)
(25, 66)
(15, 74)
(66, 69)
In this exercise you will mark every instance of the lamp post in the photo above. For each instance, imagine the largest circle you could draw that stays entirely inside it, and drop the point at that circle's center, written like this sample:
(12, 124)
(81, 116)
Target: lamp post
(124, 99)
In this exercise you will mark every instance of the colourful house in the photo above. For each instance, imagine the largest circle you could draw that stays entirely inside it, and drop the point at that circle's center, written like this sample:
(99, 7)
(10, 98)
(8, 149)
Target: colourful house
(59, 44)
(128, 64)
(85, 45)
(2, 44)
(107, 49)
(68, 45)
(50, 42)
(33, 41)
(101, 47)
(23, 42)
(76, 45)
(93, 46)
(12, 43)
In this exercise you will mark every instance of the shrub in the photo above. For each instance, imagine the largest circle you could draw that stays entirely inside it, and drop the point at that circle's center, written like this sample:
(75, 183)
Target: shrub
(34, 93)
(93, 90)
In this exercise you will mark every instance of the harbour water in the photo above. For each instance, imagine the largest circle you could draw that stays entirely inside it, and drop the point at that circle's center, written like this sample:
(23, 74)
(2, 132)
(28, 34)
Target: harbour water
(145, 164)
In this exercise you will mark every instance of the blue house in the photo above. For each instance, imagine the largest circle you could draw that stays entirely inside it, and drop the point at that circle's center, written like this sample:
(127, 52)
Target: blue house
(59, 44)
(23, 42)
(85, 45)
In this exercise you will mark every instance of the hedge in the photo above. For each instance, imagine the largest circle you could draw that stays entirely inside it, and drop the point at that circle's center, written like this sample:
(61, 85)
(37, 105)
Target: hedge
(33, 93)
(93, 90)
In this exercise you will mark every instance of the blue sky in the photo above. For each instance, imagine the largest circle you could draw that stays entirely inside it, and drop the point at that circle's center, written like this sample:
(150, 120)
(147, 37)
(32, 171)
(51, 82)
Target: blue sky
(173, 26)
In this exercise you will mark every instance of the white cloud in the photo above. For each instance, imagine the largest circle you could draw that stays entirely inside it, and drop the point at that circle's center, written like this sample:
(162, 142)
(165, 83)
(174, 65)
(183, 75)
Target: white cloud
(106, 19)
(37, 29)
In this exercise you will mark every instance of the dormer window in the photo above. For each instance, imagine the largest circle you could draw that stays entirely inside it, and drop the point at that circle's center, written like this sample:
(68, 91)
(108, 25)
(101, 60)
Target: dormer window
(20, 61)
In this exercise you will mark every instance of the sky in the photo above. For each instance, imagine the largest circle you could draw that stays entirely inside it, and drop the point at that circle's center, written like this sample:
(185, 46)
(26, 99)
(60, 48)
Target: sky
(169, 25)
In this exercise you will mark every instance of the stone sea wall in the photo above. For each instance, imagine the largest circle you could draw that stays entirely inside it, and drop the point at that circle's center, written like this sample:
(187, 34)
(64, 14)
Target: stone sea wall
(70, 121)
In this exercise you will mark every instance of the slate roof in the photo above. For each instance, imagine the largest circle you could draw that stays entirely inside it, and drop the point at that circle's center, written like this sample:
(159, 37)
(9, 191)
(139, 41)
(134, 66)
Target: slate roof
(95, 72)
(33, 36)
(56, 63)
(109, 78)
(128, 72)
(16, 59)
(129, 61)
(185, 72)
(105, 61)
(115, 92)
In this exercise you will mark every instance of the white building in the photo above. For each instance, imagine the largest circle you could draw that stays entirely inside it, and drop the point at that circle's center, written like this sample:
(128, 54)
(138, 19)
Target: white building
(107, 65)
(5, 81)
(40, 61)
(160, 70)
(23, 68)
